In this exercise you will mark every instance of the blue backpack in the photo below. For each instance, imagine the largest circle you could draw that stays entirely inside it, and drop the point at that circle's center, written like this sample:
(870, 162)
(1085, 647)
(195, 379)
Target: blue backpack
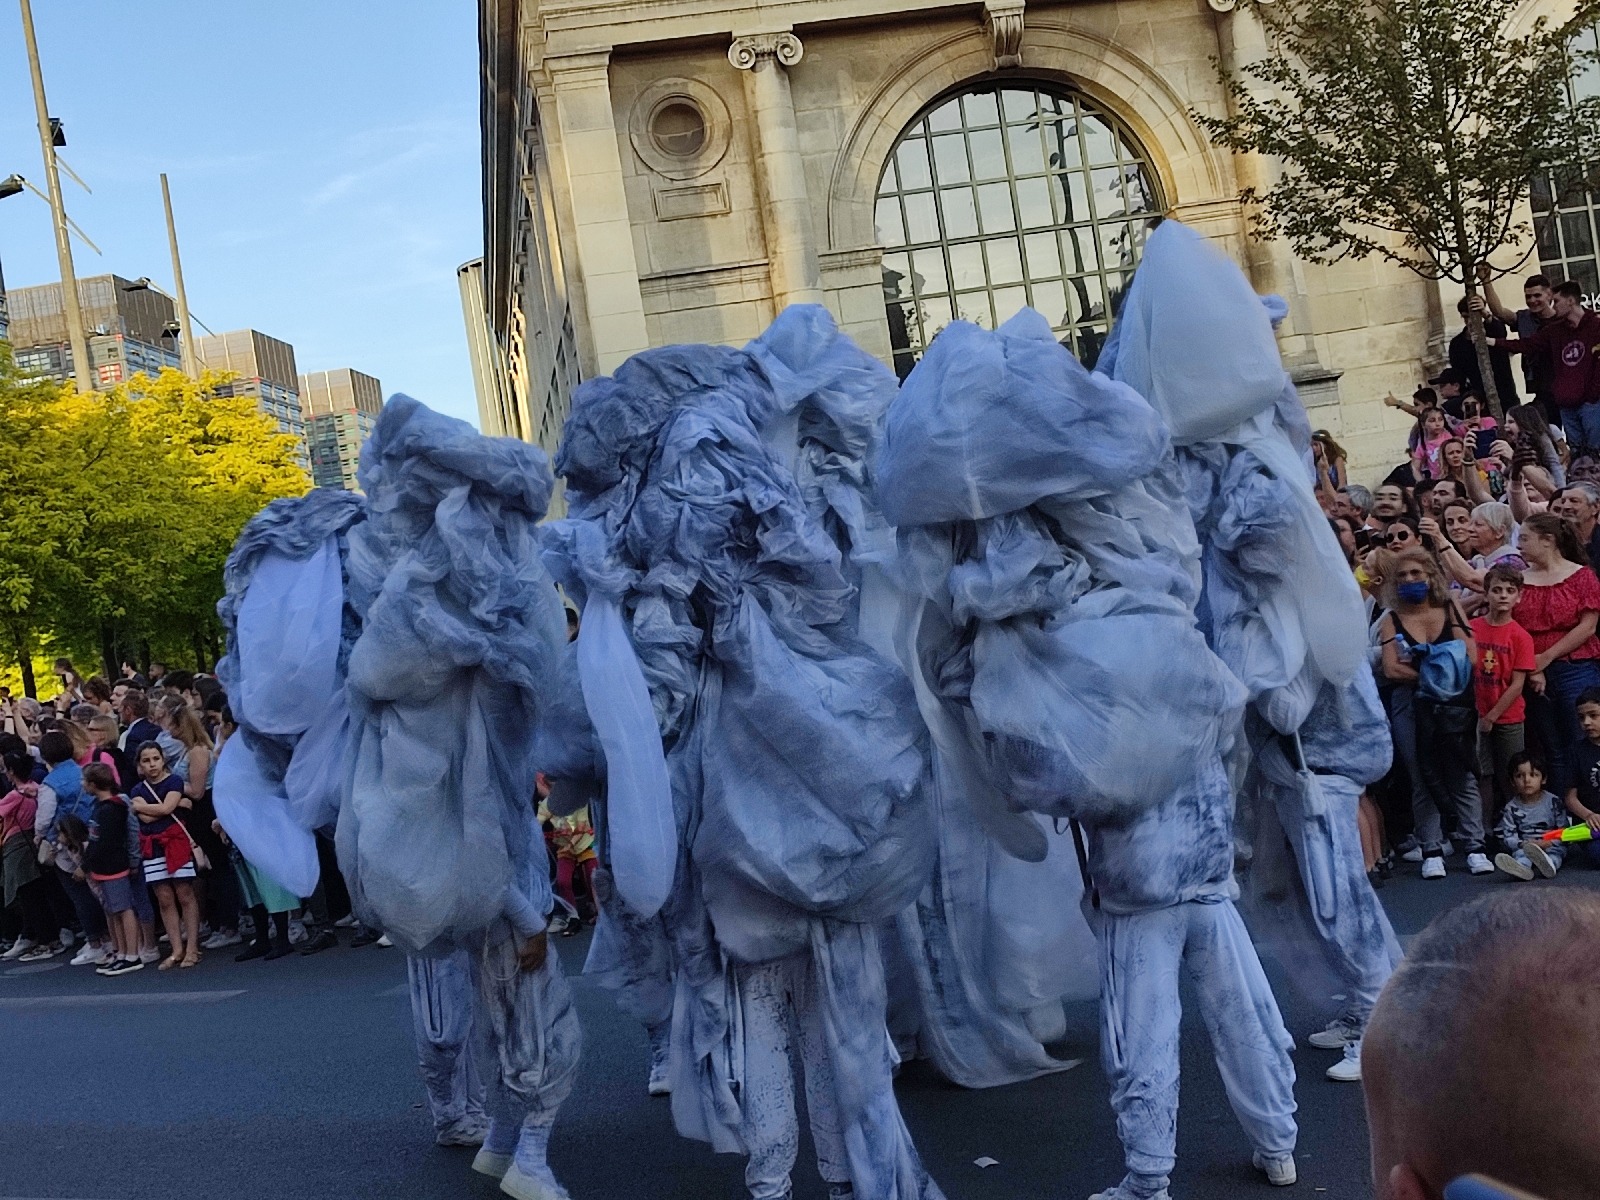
(1445, 670)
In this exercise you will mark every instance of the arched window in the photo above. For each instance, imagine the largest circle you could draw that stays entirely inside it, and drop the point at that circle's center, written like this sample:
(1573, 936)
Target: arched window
(1566, 199)
(1005, 196)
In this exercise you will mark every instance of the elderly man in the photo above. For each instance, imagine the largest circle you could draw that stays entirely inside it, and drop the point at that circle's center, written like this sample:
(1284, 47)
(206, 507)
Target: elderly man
(1484, 1047)
(1578, 504)
(1355, 505)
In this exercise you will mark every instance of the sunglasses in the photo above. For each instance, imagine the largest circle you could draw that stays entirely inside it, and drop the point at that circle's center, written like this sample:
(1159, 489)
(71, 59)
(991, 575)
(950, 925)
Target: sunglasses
(1389, 539)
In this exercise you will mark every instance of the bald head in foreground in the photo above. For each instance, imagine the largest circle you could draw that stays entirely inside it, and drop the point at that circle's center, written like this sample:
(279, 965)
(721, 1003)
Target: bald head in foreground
(1483, 1054)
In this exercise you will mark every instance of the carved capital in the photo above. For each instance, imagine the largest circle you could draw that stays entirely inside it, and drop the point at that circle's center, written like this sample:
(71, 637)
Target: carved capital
(748, 50)
(1003, 20)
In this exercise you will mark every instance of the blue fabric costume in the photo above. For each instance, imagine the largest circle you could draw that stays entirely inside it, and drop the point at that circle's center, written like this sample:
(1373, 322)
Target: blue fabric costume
(715, 530)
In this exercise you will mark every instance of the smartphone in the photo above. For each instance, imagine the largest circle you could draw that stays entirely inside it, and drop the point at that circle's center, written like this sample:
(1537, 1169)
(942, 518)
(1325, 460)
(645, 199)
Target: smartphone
(1363, 540)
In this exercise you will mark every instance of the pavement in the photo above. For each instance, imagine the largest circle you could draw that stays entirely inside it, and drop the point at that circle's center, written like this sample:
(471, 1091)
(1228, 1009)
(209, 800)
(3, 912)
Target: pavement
(298, 1078)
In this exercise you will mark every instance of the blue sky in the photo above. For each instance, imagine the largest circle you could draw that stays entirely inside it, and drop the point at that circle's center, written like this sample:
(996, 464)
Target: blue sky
(323, 158)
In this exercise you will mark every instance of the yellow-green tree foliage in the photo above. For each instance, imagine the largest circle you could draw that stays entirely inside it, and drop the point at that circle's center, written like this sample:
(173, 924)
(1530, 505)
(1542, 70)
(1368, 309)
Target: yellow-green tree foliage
(117, 511)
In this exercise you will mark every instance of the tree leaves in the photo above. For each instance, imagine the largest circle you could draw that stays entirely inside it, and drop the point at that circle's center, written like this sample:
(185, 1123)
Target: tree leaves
(117, 509)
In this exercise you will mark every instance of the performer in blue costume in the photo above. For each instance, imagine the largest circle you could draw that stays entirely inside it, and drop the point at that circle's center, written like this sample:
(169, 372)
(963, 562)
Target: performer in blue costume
(1279, 605)
(1052, 571)
(764, 766)
(428, 719)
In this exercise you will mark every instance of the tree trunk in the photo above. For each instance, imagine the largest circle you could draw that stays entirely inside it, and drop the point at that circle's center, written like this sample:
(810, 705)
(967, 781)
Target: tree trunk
(1491, 393)
(108, 650)
(30, 687)
(144, 658)
(199, 652)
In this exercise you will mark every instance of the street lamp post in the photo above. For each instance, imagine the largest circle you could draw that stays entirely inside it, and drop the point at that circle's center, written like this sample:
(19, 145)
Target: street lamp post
(191, 364)
(69, 280)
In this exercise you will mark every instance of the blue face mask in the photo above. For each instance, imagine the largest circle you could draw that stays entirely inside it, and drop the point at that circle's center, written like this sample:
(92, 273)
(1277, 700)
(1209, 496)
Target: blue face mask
(1412, 593)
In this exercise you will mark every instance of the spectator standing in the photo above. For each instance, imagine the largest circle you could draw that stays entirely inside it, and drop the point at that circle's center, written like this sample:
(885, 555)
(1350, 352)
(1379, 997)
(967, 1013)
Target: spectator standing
(1388, 504)
(1432, 431)
(1578, 504)
(106, 860)
(61, 795)
(1489, 538)
(1464, 360)
(1568, 344)
(1583, 798)
(1434, 743)
(1538, 296)
(1559, 607)
(166, 855)
(1503, 658)
(1481, 429)
(1357, 505)
(1531, 812)
(19, 864)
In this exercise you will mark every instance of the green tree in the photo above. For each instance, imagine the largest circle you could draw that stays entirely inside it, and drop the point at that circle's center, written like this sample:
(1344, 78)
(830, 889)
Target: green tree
(117, 511)
(1406, 128)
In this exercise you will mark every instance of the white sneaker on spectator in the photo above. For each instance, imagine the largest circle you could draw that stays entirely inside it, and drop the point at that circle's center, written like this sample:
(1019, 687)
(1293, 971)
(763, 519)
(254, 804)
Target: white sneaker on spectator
(18, 948)
(1279, 1170)
(1512, 867)
(1541, 861)
(221, 938)
(1479, 864)
(1348, 1068)
(90, 956)
(297, 933)
(1413, 855)
(1337, 1034)
(149, 955)
(348, 921)
(1433, 868)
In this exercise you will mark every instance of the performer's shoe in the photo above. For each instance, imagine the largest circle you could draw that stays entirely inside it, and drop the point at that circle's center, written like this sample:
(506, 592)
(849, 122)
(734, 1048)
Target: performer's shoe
(660, 1082)
(1279, 1170)
(1121, 1193)
(517, 1182)
(464, 1132)
(1337, 1034)
(491, 1164)
(1348, 1068)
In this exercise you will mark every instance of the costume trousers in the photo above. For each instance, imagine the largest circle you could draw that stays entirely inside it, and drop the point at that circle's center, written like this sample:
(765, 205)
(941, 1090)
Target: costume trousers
(441, 1017)
(1140, 957)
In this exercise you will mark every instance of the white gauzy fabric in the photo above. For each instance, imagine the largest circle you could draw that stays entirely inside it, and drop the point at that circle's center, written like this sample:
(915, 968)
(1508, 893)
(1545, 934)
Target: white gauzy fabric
(315, 777)
(288, 631)
(255, 812)
(643, 835)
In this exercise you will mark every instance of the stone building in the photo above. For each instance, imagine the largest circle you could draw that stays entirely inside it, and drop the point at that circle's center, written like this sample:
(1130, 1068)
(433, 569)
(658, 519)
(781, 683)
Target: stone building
(680, 170)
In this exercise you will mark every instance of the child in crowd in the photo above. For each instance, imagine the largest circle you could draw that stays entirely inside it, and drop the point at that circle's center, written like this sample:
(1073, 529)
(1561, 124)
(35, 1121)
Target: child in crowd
(1583, 801)
(166, 855)
(1503, 661)
(106, 861)
(1433, 430)
(1531, 813)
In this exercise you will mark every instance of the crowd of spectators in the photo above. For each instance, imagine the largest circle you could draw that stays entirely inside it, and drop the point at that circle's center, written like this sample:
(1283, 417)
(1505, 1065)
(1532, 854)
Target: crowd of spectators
(113, 852)
(1479, 560)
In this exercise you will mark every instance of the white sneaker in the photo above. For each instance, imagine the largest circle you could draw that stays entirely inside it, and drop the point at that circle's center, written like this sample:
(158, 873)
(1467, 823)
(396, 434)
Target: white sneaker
(1433, 868)
(495, 1166)
(1541, 861)
(297, 933)
(220, 939)
(1479, 864)
(517, 1182)
(18, 948)
(89, 954)
(383, 941)
(1512, 867)
(1279, 1171)
(348, 921)
(1348, 1068)
(1413, 855)
(149, 955)
(1337, 1034)
(467, 1131)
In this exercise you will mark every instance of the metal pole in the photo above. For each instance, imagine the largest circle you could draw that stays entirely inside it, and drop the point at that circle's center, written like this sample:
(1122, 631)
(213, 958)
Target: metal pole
(191, 364)
(69, 280)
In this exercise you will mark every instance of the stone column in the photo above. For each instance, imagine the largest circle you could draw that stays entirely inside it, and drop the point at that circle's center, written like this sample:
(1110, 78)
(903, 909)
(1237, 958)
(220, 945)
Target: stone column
(1272, 266)
(591, 166)
(786, 216)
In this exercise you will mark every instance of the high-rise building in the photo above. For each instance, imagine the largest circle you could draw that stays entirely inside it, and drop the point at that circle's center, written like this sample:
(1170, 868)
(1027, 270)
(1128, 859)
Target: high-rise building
(130, 328)
(266, 371)
(341, 406)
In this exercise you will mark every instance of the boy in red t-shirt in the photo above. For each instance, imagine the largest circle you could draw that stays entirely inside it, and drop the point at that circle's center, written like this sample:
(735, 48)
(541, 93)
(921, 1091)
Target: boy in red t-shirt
(1504, 660)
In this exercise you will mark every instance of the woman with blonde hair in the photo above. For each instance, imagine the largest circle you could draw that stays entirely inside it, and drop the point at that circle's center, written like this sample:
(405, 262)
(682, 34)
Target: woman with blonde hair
(196, 767)
(1431, 731)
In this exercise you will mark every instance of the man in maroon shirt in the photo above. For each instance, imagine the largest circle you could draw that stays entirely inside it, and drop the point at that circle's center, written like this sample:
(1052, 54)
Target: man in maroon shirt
(1568, 345)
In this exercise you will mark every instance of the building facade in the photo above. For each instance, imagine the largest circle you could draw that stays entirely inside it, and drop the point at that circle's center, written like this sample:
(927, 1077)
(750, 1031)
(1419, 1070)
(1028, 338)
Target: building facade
(131, 328)
(266, 372)
(341, 406)
(681, 170)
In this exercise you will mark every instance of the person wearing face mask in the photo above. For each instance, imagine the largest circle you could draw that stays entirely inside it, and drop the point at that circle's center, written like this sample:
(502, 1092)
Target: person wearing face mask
(1437, 754)
(1559, 607)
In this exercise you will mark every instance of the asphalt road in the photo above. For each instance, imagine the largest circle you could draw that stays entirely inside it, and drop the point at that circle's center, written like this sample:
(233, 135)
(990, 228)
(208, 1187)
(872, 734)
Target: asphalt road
(298, 1079)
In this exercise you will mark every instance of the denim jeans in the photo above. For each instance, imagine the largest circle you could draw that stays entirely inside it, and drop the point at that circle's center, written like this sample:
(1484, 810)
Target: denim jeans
(1553, 717)
(1440, 765)
(1582, 426)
